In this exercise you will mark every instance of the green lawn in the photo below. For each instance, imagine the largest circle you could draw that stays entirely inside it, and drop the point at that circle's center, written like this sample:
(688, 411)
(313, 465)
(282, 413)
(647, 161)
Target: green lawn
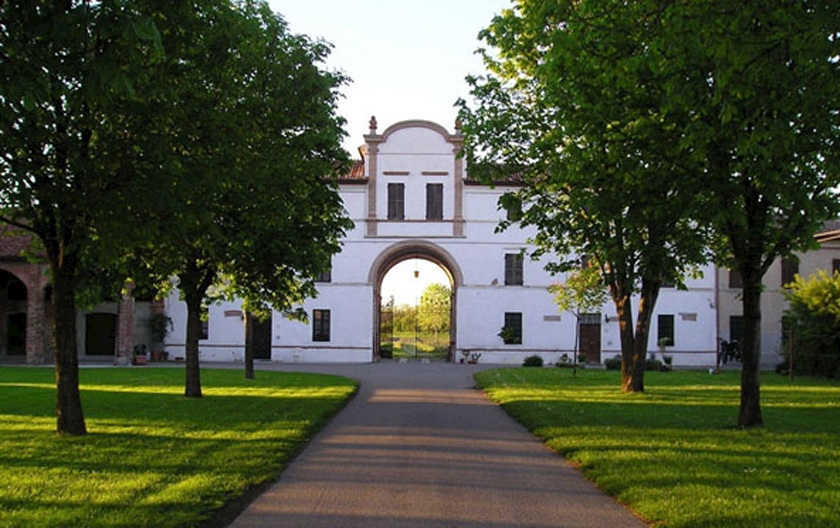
(674, 454)
(152, 457)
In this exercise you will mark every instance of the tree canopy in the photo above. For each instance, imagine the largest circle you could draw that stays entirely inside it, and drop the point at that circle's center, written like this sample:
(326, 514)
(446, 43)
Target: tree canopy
(571, 108)
(71, 171)
(254, 139)
(642, 128)
(201, 136)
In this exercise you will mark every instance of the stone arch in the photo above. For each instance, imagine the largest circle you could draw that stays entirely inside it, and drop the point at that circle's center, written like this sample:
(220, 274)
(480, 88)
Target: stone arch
(29, 284)
(407, 250)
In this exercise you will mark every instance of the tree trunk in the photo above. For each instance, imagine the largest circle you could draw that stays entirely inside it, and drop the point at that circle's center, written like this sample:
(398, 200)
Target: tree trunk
(749, 414)
(68, 406)
(250, 323)
(634, 344)
(193, 369)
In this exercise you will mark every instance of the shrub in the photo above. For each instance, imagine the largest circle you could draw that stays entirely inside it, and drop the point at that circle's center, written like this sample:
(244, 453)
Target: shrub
(614, 363)
(813, 323)
(533, 361)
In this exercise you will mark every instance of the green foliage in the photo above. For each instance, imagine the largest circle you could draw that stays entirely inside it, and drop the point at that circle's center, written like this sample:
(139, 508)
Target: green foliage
(647, 133)
(673, 454)
(572, 106)
(533, 361)
(613, 363)
(583, 291)
(158, 459)
(435, 303)
(812, 322)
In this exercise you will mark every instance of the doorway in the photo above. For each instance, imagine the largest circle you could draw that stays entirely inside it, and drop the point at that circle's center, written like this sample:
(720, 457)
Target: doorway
(100, 334)
(415, 303)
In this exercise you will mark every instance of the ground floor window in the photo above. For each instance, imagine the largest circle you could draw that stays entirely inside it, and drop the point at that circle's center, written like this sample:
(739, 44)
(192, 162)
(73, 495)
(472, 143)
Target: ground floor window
(665, 335)
(320, 325)
(512, 331)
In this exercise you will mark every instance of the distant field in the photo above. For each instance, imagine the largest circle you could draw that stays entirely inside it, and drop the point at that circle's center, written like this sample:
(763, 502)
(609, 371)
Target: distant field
(674, 454)
(152, 458)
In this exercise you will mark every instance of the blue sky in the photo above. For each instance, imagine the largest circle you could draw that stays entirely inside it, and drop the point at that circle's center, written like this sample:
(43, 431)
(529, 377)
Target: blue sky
(407, 58)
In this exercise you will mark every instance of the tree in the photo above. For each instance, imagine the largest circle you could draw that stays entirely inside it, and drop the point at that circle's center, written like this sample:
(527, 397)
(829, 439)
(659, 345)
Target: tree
(434, 310)
(71, 168)
(249, 119)
(583, 292)
(741, 100)
(755, 90)
(812, 323)
(571, 110)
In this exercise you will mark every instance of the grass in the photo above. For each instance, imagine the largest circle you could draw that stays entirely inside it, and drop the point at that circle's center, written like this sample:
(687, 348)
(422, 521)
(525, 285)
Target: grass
(674, 454)
(152, 457)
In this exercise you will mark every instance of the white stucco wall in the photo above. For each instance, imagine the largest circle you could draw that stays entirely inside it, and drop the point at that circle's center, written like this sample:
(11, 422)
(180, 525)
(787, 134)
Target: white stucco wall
(417, 153)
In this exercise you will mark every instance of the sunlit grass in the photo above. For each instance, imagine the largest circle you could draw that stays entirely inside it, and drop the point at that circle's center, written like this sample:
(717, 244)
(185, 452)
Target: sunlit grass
(152, 457)
(674, 453)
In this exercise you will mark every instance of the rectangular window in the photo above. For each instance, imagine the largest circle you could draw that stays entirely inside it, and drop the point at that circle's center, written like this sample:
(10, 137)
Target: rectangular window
(513, 269)
(790, 267)
(205, 323)
(325, 276)
(396, 201)
(736, 328)
(434, 201)
(513, 328)
(665, 332)
(835, 266)
(320, 325)
(735, 279)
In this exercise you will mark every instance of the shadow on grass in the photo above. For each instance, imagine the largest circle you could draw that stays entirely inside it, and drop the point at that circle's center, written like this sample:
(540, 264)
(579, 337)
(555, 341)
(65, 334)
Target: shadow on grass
(153, 457)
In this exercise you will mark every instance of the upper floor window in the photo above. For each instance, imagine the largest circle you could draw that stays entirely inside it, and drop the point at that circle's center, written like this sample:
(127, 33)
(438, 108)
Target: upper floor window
(513, 269)
(396, 201)
(434, 201)
(790, 267)
(325, 276)
(735, 279)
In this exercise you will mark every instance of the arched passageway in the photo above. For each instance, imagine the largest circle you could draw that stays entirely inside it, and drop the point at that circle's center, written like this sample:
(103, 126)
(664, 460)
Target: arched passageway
(393, 256)
(13, 296)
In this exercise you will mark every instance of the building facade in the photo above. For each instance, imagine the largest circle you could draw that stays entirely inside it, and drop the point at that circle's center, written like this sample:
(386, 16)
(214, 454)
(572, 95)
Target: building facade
(410, 196)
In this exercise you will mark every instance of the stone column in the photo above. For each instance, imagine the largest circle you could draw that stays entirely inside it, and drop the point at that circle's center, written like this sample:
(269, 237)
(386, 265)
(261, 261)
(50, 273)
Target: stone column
(125, 326)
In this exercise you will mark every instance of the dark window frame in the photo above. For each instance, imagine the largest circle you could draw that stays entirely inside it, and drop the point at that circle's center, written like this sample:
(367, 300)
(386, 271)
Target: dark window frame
(321, 321)
(665, 329)
(396, 201)
(790, 268)
(513, 322)
(514, 269)
(434, 201)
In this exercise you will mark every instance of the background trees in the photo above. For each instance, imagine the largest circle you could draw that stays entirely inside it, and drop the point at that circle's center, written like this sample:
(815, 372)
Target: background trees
(636, 126)
(199, 136)
(434, 314)
(812, 326)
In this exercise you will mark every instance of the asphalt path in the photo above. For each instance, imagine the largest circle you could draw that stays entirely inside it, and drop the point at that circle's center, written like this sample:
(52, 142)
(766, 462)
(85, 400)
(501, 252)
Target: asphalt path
(419, 446)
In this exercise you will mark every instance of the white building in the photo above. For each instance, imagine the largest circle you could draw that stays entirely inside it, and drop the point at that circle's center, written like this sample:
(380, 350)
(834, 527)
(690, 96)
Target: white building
(411, 197)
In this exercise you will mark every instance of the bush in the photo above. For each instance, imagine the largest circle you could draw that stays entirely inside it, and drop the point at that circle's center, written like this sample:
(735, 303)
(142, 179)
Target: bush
(813, 323)
(533, 361)
(614, 363)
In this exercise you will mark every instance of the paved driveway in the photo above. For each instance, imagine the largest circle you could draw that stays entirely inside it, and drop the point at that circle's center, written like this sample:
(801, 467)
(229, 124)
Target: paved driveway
(420, 447)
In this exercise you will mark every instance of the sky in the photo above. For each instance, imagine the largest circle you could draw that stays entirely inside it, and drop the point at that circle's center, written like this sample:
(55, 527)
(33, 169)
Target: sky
(407, 59)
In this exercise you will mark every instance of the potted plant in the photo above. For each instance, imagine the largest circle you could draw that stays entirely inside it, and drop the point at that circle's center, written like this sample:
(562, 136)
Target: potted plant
(139, 355)
(509, 335)
(159, 326)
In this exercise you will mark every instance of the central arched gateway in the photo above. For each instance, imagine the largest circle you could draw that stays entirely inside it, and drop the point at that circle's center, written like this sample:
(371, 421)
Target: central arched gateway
(405, 250)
